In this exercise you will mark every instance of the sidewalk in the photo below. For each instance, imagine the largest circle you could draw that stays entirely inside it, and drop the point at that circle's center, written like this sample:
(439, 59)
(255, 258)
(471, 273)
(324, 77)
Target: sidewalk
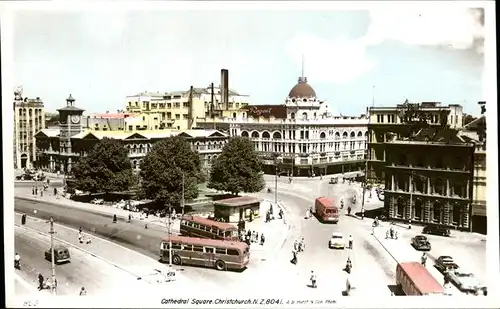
(140, 266)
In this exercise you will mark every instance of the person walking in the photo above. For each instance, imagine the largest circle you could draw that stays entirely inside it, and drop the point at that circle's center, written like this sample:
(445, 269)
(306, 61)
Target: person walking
(424, 259)
(83, 292)
(41, 280)
(262, 239)
(294, 257)
(296, 245)
(114, 219)
(302, 245)
(313, 279)
(351, 240)
(23, 219)
(129, 218)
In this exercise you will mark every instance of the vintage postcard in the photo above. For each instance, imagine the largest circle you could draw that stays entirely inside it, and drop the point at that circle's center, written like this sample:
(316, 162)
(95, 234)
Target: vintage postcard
(250, 154)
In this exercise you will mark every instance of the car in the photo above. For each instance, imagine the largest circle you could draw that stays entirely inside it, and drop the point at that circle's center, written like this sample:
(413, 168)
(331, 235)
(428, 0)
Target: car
(464, 281)
(336, 241)
(436, 230)
(445, 263)
(61, 254)
(334, 180)
(420, 242)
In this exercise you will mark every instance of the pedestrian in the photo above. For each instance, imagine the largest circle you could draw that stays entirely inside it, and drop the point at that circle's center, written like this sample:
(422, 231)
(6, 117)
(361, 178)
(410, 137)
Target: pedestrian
(409, 224)
(33, 190)
(36, 190)
(249, 234)
(270, 207)
(115, 219)
(424, 259)
(88, 240)
(349, 210)
(23, 219)
(83, 292)
(41, 193)
(262, 239)
(256, 236)
(129, 218)
(351, 240)
(280, 213)
(295, 245)
(80, 230)
(41, 280)
(313, 279)
(294, 257)
(80, 237)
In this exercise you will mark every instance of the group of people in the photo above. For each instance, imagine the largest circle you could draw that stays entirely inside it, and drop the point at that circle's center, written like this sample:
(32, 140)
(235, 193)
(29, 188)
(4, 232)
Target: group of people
(83, 238)
(253, 237)
(297, 248)
(46, 283)
(391, 233)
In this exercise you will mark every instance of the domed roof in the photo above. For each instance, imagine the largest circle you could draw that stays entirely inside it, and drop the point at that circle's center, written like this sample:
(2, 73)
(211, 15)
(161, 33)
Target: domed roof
(302, 90)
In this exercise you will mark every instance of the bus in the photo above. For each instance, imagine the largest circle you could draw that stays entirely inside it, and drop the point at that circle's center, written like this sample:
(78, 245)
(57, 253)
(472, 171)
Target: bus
(219, 254)
(326, 210)
(205, 228)
(415, 280)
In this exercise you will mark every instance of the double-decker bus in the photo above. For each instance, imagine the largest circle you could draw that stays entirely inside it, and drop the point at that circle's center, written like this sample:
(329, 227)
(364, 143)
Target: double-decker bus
(205, 228)
(220, 254)
(415, 280)
(326, 210)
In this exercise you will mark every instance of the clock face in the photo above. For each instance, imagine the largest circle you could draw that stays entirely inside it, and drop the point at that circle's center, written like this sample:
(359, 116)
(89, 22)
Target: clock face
(75, 119)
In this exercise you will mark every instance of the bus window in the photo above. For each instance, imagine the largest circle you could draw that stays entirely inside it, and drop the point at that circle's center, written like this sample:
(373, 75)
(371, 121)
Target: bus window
(232, 252)
(196, 225)
(197, 248)
(189, 223)
(176, 246)
(208, 229)
(328, 210)
(209, 250)
(221, 233)
(220, 251)
(187, 247)
(227, 234)
(164, 245)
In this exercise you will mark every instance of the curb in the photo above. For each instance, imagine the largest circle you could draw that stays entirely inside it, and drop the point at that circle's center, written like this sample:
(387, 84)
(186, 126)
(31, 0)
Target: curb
(78, 248)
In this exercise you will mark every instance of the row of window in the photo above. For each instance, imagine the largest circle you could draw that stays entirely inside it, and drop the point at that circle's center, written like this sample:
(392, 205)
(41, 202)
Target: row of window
(458, 162)
(436, 211)
(205, 228)
(303, 135)
(201, 249)
(22, 111)
(278, 147)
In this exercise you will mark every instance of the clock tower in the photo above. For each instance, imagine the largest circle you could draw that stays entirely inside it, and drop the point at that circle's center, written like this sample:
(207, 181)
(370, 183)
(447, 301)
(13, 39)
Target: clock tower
(70, 124)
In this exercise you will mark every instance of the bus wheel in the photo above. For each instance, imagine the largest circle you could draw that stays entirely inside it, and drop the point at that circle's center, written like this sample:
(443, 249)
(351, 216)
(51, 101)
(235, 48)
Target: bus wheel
(176, 260)
(220, 265)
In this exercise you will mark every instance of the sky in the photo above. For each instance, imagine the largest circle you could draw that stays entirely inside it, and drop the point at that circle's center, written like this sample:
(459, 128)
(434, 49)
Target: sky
(353, 59)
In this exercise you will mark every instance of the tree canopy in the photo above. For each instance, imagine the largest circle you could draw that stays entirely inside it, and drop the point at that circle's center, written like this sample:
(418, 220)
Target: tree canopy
(163, 168)
(106, 168)
(237, 169)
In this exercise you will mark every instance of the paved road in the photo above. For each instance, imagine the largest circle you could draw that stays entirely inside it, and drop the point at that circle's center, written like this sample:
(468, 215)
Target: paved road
(130, 235)
(368, 256)
(83, 270)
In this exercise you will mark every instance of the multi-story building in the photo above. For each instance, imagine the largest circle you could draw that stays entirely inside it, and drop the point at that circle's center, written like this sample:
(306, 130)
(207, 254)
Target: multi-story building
(58, 149)
(299, 137)
(388, 120)
(29, 118)
(475, 132)
(180, 109)
(429, 178)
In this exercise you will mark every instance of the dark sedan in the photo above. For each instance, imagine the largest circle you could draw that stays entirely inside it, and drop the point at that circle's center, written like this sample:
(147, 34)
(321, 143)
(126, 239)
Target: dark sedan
(421, 243)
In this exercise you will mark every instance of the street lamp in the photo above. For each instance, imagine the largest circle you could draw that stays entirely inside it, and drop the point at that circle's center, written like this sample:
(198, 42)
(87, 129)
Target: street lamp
(53, 264)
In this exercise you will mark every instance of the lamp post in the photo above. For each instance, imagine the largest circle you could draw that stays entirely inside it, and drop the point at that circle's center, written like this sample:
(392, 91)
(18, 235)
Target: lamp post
(182, 201)
(53, 264)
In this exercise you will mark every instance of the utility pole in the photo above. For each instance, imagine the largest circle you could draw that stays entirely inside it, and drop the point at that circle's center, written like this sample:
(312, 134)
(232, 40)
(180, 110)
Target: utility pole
(182, 201)
(169, 223)
(366, 161)
(276, 182)
(52, 256)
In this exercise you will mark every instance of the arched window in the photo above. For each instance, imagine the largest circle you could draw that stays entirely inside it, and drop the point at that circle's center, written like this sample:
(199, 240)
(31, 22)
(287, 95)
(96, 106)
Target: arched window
(322, 135)
(304, 116)
(244, 133)
(337, 135)
(360, 134)
(437, 211)
(234, 115)
(344, 135)
(255, 134)
(353, 135)
(418, 208)
(366, 133)
(266, 135)
(400, 208)
(315, 116)
(456, 214)
(277, 135)
(292, 115)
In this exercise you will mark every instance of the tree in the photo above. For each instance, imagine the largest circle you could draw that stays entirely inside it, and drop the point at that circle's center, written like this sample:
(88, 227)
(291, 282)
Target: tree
(106, 168)
(237, 169)
(163, 170)
(468, 119)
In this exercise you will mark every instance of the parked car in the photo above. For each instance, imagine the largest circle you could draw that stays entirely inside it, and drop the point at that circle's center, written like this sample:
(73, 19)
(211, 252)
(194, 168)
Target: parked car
(61, 254)
(445, 263)
(420, 242)
(436, 230)
(334, 180)
(336, 241)
(25, 177)
(464, 281)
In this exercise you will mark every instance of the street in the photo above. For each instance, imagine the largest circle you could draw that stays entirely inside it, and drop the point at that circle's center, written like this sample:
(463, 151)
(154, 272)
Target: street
(84, 270)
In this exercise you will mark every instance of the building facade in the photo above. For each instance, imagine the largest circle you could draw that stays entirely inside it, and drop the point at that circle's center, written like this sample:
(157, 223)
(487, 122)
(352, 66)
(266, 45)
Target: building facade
(29, 118)
(429, 179)
(180, 110)
(385, 121)
(300, 137)
(59, 149)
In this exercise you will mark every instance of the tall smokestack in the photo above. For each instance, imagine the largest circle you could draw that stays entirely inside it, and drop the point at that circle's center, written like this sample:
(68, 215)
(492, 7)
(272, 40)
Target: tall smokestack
(211, 110)
(224, 88)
